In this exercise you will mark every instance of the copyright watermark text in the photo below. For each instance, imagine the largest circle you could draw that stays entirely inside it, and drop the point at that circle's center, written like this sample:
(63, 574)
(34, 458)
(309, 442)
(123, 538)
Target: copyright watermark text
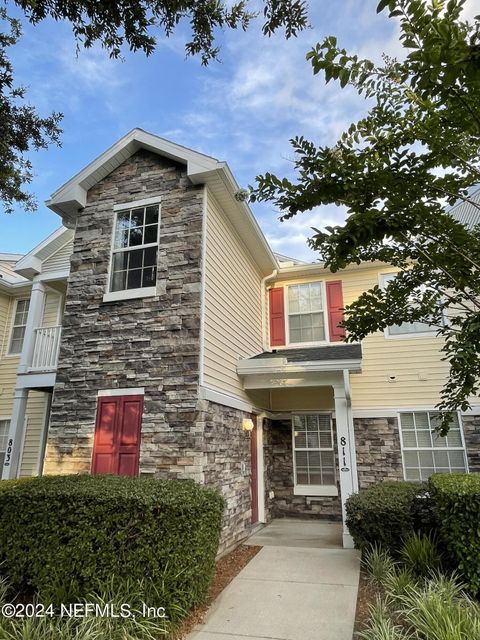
(80, 610)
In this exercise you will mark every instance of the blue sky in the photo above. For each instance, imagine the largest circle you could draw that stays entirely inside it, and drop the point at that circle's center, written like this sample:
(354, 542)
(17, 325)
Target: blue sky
(242, 110)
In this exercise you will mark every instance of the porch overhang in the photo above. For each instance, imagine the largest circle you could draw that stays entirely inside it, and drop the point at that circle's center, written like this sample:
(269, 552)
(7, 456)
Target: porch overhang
(300, 367)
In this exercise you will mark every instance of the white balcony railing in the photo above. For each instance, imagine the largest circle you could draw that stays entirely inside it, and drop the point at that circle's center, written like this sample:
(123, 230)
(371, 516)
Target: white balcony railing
(47, 345)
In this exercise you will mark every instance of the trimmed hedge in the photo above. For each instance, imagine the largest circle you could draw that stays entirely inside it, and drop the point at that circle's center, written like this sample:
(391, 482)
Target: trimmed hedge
(68, 535)
(386, 513)
(456, 502)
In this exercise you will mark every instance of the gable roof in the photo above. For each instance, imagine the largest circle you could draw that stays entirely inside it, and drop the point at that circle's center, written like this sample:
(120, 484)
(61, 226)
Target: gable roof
(201, 169)
(8, 278)
(31, 264)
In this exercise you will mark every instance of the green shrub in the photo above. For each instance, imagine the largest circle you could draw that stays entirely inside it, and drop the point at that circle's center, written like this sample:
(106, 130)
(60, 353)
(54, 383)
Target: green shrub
(386, 513)
(456, 501)
(439, 610)
(379, 564)
(66, 536)
(420, 555)
(380, 624)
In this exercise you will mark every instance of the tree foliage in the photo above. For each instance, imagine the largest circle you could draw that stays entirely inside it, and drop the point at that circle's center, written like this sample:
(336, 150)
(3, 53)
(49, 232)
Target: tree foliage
(21, 128)
(115, 26)
(397, 170)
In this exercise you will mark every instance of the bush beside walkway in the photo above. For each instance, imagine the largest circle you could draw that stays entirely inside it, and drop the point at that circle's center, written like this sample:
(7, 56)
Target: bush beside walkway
(64, 538)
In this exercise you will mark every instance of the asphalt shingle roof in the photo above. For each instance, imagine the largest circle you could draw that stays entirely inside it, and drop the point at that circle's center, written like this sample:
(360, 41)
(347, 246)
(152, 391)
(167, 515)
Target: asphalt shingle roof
(337, 352)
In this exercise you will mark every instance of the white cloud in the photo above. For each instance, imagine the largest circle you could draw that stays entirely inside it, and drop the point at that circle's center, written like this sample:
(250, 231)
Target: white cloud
(290, 236)
(92, 68)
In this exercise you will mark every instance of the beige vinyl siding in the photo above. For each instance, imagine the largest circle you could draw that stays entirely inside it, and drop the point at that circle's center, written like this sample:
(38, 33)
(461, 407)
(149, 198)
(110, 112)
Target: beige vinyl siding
(59, 261)
(232, 326)
(36, 401)
(8, 364)
(36, 408)
(51, 312)
(415, 361)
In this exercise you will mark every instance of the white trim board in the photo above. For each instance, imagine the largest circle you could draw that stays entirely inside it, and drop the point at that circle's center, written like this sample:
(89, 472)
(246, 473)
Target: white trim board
(132, 391)
(207, 393)
(137, 203)
(203, 279)
(388, 412)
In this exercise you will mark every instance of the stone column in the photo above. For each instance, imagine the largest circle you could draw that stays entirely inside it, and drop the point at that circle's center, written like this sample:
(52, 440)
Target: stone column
(346, 450)
(15, 435)
(34, 320)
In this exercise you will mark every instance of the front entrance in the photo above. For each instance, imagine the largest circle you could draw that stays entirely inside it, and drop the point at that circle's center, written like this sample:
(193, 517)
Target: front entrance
(116, 448)
(254, 471)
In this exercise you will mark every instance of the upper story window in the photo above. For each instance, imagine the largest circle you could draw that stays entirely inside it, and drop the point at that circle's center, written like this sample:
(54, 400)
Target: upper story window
(306, 316)
(135, 250)
(406, 328)
(18, 327)
(424, 451)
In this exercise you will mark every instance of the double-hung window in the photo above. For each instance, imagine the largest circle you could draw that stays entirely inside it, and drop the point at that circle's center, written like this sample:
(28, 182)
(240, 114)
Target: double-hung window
(306, 315)
(314, 455)
(18, 327)
(4, 428)
(406, 328)
(135, 249)
(424, 451)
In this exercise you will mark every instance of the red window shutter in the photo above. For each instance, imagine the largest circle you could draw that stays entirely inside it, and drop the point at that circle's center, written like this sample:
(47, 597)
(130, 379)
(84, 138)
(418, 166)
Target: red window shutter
(277, 317)
(335, 310)
(116, 447)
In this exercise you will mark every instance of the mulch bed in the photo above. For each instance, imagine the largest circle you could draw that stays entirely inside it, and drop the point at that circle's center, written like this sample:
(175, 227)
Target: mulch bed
(226, 568)
(366, 596)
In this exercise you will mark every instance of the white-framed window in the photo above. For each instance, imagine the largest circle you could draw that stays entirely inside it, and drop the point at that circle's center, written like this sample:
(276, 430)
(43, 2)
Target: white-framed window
(313, 455)
(424, 451)
(135, 248)
(406, 328)
(4, 428)
(18, 327)
(306, 313)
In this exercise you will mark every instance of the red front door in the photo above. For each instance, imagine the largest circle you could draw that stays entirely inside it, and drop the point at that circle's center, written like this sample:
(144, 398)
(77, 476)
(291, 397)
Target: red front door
(116, 446)
(254, 470)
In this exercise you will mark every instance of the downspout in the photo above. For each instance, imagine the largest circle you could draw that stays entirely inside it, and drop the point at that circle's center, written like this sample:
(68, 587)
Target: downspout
(265, 345)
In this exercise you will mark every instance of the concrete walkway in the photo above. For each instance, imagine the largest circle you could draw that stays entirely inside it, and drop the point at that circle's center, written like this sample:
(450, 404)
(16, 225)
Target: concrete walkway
(301, 586)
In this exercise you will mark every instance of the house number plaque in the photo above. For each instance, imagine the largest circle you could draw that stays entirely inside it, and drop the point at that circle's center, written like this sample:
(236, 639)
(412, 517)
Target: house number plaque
(8, 453)
(343, 444)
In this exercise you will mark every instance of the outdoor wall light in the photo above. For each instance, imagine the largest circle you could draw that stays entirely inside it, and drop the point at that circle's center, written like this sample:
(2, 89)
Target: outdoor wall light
(247, 424)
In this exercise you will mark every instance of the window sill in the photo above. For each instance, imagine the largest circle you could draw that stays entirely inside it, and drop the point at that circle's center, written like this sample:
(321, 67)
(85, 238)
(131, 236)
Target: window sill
(315, 490)
(130, 294)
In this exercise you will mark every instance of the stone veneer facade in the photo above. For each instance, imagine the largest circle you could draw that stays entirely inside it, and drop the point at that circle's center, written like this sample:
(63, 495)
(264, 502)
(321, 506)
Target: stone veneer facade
(148, 342)
(379, 456)
(227, 466)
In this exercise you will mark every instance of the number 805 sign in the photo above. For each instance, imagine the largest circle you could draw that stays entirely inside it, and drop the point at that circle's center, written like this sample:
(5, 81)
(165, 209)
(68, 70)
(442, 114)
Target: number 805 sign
(8, 453)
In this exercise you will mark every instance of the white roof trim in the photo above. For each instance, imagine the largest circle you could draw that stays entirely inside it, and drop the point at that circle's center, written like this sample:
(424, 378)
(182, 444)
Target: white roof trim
(31, 264)
(201, 169)
(73, 194)
(257, 366)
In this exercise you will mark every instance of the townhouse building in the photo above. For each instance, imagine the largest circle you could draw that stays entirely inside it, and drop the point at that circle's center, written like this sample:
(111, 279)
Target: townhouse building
(157, 334)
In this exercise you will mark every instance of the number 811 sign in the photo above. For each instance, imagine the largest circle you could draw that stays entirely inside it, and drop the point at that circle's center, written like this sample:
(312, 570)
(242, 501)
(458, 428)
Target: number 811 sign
(343, 454)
